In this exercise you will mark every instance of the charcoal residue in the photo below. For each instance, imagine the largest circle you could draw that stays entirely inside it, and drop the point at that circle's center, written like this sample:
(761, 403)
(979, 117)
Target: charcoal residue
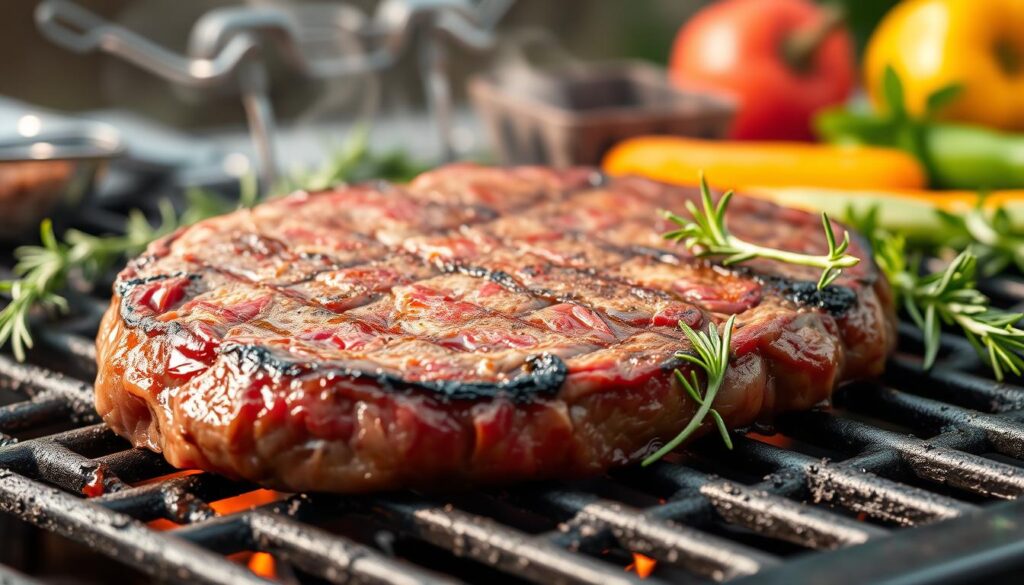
(541, 375)
(835, 299)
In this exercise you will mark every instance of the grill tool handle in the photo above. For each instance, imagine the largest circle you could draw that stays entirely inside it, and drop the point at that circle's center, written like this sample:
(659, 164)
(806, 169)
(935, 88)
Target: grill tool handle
(81, 31)
(224, 47)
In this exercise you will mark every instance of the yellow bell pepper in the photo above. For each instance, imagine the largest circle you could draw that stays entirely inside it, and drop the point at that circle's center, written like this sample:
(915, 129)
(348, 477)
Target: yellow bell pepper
(978, 44)
(737, 165)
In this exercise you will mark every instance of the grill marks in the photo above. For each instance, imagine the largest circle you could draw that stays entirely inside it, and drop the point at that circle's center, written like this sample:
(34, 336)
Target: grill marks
(478, 276)
(478, 325)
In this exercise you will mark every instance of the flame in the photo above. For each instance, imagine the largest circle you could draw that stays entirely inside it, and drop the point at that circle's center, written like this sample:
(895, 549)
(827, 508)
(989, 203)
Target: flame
(777, 439)
(263, 565)
(245, 501)
(163, 524)
(642, 565)
(260, 563)
(221, 507)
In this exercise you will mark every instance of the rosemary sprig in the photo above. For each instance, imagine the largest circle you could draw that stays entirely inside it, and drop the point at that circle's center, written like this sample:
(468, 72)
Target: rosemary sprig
(355, 161)
(947, 297)
(42, 271)
(705, 232)
(712, 356)
(991, 235)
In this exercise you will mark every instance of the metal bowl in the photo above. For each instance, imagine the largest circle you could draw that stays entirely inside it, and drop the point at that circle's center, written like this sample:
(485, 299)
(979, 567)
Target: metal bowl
(51, 172)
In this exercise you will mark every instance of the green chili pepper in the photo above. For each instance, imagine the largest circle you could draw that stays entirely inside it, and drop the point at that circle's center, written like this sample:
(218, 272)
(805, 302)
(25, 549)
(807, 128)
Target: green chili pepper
(957, 156)
(974, 157)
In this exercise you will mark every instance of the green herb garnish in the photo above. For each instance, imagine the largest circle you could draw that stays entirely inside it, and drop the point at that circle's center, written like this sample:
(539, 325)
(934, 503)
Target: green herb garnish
(355, 162)
(42, 271)
(712, 356)
(948, 297)
(990, 235)
(705, 233)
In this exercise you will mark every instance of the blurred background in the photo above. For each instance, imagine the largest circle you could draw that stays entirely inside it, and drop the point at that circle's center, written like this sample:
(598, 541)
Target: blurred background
(49, 76)
(44, 74)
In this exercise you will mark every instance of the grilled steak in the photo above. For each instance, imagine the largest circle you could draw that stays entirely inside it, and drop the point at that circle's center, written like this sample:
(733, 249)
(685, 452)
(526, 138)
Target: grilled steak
(475, 325)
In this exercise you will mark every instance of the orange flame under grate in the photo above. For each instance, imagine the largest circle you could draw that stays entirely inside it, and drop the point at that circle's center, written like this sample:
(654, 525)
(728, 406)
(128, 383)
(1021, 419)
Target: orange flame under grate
(778, 440)
(260, 563)
(642, 565)
(245, 501)
(263, 565)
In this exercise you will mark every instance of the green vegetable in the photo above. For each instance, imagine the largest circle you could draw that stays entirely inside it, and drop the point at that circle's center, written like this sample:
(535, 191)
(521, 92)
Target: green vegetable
(712, 356)
(956, 156)
(975, 157)
(947, 297)
(705, 232)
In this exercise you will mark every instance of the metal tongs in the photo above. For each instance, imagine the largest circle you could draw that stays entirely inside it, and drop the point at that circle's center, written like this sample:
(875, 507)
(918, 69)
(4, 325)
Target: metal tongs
(225, 45)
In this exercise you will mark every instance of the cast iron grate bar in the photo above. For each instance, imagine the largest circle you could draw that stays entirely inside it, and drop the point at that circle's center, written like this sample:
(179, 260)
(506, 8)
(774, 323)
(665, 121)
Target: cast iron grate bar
(707, 524)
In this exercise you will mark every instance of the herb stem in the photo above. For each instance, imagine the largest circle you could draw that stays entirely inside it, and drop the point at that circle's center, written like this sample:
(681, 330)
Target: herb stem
(746, 250)
(693, 425)
(712, 355)
(949, 297)
(705, 233)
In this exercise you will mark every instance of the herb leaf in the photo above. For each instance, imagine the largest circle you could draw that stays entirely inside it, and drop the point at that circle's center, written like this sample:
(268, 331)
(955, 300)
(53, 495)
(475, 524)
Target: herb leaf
(712, 355)
(355, 161)
(705, 233)
(43, 270)
(947, 297)
(940, 98)
(892, 89)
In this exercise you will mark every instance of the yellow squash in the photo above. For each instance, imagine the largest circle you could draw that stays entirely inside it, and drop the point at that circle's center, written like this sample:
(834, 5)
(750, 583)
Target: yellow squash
(978, 44)
(736, 165)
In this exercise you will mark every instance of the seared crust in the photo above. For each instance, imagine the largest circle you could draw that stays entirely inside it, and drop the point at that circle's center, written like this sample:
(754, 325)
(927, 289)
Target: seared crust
(476, 325)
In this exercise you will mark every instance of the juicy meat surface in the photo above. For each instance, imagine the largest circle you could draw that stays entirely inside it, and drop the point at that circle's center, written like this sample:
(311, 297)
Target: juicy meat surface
(475, 325)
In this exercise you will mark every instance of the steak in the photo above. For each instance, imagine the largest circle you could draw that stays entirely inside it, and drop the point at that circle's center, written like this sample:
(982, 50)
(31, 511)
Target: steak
(476, 325)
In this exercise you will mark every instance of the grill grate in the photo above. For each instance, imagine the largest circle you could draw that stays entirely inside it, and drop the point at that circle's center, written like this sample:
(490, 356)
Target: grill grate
(831, 497)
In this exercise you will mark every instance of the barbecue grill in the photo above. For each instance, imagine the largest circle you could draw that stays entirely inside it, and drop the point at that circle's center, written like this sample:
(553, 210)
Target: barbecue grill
(904, 479)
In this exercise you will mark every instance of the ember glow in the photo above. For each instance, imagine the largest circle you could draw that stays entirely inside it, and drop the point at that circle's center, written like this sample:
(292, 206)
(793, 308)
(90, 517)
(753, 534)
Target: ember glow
(263, 565)
(162, 524)
(221, 507)
(642, 565)
(245, 501)
(94, 486)
(778, 440)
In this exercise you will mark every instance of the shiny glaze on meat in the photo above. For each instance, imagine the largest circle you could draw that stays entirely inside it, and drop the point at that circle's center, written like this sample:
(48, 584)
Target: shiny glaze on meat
(476, 325)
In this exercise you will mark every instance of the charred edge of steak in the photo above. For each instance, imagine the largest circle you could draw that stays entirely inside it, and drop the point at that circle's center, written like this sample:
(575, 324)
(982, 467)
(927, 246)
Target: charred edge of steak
(130, 314)
(499, 277)
(836, 299)
(542, 375)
